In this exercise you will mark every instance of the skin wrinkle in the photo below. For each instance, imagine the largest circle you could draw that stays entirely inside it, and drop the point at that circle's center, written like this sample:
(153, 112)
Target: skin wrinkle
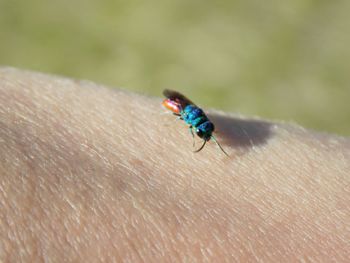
(261, 204)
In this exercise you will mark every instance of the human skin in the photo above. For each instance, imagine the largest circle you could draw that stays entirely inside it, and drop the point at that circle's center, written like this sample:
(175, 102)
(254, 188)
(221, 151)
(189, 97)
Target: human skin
(92, 174)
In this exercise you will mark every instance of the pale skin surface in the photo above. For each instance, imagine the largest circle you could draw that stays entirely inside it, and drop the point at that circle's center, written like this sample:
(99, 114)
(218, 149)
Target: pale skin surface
(93, 174)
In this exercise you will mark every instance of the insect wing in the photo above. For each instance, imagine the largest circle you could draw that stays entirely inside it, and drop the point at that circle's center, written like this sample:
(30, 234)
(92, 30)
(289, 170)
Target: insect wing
(177, 97)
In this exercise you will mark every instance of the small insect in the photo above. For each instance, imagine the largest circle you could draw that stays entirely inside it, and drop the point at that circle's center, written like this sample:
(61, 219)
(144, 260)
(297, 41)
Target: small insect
(194, 116)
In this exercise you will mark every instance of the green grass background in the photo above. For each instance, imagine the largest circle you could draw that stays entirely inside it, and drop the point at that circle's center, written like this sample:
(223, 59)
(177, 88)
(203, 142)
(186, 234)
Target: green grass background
(285, 60)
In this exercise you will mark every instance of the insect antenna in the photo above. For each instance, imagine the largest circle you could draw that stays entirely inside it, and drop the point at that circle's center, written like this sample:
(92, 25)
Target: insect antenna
(201, 147)
(218, 144)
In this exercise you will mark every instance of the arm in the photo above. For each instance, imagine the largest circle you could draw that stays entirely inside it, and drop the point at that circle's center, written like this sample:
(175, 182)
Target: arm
(88, 172)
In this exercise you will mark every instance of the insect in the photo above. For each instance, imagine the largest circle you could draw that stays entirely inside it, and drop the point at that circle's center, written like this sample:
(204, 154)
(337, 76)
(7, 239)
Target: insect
(193, 115)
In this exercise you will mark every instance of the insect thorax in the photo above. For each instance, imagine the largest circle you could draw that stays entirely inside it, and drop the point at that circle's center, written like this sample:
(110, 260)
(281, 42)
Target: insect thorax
(193, 115)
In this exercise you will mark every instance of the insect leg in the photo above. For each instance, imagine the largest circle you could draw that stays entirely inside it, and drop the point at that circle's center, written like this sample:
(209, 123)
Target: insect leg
(179, 117)
(191, 131)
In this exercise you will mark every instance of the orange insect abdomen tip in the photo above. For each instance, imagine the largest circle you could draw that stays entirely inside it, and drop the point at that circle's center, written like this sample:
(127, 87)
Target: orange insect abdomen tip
(172, 105)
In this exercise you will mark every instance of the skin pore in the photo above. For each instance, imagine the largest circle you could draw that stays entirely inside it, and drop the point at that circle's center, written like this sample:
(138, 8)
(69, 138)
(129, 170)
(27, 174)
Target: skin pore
(93, 174)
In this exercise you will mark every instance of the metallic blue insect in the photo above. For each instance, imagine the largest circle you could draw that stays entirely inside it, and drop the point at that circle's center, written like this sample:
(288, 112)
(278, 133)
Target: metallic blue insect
(194, 116)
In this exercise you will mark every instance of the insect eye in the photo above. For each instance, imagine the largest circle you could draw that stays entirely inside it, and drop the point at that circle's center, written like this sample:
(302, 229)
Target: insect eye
(199, 133)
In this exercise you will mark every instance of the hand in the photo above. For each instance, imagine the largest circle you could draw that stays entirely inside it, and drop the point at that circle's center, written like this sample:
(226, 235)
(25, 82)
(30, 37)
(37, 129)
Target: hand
(94, 174)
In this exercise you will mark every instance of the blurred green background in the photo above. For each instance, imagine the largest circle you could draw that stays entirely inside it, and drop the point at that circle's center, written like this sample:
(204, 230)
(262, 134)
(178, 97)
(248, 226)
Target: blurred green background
(286, 60)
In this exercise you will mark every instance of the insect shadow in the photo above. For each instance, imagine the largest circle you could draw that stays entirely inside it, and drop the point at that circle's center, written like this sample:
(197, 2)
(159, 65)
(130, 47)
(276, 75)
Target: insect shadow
(241, 134)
